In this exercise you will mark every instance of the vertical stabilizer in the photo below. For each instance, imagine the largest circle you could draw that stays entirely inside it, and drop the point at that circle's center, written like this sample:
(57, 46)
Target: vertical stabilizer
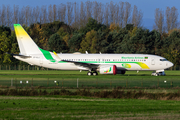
(26, 45)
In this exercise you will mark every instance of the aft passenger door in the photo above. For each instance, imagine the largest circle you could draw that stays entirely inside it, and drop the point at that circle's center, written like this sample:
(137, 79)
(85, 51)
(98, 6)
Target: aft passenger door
(41, 61)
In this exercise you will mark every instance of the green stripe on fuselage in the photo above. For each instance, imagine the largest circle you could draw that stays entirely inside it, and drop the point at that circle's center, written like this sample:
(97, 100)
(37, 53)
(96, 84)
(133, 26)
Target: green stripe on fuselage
(47, 55)
(141, 64)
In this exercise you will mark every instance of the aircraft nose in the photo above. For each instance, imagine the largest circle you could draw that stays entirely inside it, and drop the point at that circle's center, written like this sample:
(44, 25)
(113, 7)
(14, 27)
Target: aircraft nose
(170, 64)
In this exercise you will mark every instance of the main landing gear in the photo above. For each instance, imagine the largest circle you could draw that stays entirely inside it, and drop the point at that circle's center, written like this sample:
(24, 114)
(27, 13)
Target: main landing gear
(92, 73)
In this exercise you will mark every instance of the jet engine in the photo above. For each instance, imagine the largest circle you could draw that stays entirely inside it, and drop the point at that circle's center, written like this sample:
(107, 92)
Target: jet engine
(109, 69)
(121, 71)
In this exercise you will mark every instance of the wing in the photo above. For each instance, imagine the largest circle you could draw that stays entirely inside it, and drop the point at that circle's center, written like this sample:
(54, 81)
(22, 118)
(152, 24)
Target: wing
(82, 65)
(88, 66)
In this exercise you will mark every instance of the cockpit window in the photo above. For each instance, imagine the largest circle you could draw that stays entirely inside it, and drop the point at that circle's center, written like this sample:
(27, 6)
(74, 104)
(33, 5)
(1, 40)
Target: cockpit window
(163, 59)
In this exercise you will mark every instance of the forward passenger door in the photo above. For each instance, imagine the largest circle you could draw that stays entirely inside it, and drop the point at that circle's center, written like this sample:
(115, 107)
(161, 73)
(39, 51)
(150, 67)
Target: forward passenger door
(152, 61)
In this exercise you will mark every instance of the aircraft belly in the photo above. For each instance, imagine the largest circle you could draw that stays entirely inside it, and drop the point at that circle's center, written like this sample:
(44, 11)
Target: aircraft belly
(67, 66)
(157, 67)
(61, 66)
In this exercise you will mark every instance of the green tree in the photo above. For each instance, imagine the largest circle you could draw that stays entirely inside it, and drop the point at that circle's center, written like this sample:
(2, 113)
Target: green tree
(62, 32)
(74, 42)
(7, 59)
(171, 47)
(115, 39)
(141, 41)
(89, 42)
(129, 27)
(7, 29)
(65, 35)
(14, 48)
(5, 48)
(92, 25)
(42, 32)
(114, 26)
(156, 40)
(56, 43)
(101, 44)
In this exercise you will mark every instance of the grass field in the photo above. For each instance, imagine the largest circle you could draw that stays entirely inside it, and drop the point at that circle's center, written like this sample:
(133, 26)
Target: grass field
(68, 107)
(79, 107)
(70, 78)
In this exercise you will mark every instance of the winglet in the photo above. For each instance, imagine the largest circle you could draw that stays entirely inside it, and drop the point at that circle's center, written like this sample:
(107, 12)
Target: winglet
(54, 53)
(57, 57)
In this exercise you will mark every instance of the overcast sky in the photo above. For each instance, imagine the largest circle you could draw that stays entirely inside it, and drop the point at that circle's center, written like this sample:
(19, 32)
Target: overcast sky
(147, 6)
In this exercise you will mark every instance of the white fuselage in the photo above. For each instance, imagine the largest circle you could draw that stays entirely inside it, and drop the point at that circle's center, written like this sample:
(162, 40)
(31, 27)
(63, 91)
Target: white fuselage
(122, 61)
(104, 63)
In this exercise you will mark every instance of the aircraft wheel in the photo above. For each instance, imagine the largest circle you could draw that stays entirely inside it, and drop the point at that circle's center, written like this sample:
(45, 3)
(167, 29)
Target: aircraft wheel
(95, 73)
(89, 73)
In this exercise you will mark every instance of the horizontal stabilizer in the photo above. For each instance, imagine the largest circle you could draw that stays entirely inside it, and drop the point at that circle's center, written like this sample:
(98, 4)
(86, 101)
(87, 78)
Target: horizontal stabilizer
(22, 56)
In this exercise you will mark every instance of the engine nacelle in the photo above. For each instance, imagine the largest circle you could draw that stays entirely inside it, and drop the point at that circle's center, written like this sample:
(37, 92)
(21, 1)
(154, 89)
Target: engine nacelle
(121, 71)
(110, 69)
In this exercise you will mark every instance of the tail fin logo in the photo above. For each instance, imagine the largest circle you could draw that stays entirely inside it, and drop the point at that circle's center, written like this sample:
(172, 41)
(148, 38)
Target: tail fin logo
(26, 44)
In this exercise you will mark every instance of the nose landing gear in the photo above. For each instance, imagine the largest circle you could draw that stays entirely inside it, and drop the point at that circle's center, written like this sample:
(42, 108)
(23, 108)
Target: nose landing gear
(161, 73)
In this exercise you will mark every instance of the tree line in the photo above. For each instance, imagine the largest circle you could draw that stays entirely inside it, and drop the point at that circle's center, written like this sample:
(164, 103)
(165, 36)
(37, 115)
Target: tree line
(94, 37)
(73, 14)
(88, 30)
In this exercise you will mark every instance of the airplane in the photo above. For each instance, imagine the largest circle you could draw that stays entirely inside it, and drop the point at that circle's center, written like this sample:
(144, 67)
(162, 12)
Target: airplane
(93, 63)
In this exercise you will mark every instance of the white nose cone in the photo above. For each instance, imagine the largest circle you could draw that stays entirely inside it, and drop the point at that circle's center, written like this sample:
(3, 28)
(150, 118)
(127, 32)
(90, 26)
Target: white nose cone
(170, 64)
